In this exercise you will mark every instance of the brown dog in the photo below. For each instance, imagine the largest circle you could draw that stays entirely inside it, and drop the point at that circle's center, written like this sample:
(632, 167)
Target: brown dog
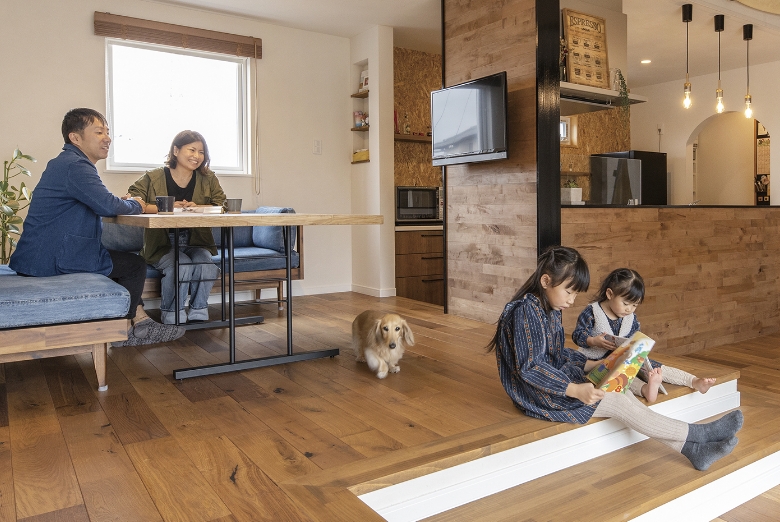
(378, 339)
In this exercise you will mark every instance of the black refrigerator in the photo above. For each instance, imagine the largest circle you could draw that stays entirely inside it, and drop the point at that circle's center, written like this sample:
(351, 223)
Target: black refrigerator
(653, 174)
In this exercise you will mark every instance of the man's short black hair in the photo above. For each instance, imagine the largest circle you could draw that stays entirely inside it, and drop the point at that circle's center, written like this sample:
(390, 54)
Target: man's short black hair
(76, 120)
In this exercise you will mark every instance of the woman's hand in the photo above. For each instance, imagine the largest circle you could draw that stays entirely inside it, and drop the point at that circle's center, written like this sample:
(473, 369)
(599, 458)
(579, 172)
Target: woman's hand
(585, 392)
(184, 204)
(600, 341)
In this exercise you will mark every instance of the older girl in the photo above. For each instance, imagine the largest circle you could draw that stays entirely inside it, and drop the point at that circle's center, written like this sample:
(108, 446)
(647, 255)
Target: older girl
(547, 381)
(612, 312)
(187, 177)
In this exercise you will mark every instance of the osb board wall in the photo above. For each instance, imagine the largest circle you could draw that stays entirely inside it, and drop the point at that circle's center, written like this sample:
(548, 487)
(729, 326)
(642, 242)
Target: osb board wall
(416, 74)
(491, 207)
(597, 132)
(711, 274)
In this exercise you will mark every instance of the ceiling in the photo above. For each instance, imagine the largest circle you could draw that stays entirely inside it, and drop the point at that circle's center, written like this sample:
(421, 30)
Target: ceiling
(417, 25)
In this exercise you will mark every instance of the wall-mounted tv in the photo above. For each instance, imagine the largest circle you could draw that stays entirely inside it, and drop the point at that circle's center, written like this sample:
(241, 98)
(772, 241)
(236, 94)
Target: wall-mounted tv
(469, 121)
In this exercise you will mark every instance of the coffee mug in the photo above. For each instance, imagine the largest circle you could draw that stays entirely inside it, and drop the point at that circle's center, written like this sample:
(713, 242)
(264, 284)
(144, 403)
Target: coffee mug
(232, 206)
(165, 204)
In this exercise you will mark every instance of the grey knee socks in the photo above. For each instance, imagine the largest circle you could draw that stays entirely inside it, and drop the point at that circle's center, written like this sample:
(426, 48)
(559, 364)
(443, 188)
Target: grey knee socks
(722, 429)
(703, 454)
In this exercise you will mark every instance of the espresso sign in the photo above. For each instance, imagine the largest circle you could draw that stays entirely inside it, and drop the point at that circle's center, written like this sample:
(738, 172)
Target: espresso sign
(586, 40)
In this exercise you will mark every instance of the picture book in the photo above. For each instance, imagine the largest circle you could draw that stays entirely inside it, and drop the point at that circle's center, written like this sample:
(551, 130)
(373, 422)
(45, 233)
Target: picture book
(620, 367)
(646, 367)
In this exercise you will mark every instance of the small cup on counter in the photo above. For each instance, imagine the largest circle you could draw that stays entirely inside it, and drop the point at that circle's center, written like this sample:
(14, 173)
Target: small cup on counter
(232, 206)
(165, 204)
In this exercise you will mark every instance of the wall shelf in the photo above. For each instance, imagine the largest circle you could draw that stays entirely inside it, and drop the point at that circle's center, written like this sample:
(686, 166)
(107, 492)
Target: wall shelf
(412, 137)
(360, 94)
(360, 161)
(364, 128)
(577, 99)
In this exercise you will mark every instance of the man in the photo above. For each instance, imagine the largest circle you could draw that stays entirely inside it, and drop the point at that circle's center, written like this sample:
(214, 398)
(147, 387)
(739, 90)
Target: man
(63, 228)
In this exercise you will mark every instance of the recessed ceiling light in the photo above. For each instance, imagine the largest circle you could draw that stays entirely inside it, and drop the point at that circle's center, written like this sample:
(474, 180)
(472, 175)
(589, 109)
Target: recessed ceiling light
(645, 61)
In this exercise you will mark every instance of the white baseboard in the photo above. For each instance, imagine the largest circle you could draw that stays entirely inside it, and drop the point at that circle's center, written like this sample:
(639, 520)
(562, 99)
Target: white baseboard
(374, 292)
(447, 489)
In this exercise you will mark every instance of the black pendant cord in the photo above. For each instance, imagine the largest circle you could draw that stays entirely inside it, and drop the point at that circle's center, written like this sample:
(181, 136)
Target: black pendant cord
(686, 51)
(748, 67)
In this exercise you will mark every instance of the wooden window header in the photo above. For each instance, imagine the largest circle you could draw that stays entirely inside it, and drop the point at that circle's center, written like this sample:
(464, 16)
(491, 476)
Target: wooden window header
(139, 30)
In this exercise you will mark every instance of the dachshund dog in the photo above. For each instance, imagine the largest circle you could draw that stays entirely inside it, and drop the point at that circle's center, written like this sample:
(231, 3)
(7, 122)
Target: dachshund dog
(378, 339)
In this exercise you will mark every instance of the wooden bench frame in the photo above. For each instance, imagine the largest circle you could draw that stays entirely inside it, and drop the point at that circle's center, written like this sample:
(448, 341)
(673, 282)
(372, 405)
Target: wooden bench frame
(52, 340)
(249, 280)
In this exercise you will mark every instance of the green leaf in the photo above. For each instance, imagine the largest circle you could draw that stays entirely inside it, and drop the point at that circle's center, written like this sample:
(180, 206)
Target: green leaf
(5, 209)
(29, 158)
(26, 172)
(17, 155)
(13, 228)
(15, 220)
(13, 242)
(27, 193)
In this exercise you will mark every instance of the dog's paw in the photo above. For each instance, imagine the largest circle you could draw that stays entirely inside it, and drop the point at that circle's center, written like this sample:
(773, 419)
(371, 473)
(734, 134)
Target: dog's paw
(360, 358)
(381, 375)
(395, 369)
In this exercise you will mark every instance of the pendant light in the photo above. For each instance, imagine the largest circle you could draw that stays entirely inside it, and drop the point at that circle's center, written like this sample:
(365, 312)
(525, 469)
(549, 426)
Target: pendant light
(719, 25)
(747, 35)
(687, 16)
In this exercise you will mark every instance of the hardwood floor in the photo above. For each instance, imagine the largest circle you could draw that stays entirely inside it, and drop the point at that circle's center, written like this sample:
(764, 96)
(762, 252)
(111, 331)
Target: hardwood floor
(291, 442)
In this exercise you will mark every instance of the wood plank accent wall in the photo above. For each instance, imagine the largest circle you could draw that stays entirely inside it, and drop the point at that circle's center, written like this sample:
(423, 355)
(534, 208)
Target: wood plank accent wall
(492, 207)
(711, 274)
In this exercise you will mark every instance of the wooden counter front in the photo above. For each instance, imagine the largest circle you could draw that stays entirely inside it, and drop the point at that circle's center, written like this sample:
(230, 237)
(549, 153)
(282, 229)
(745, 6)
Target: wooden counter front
(712, 274)
(182, 220)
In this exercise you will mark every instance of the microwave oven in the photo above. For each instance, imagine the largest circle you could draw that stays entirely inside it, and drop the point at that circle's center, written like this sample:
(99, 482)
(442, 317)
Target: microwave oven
(418, 205)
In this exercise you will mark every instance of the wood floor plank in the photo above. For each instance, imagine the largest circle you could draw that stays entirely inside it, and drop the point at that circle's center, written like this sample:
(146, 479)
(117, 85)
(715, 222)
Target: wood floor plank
(44, 479)
(179, 490)
(248, 492)
(71, 392)
(7, 503)
(278, 459)
(3, 406)
(119, 498)
(132, 419)
(70, 514)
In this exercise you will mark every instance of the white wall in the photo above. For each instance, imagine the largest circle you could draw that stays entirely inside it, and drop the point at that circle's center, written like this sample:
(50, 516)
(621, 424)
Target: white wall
(373, 253)
(725, 160)
(681, 125)
(304, 86)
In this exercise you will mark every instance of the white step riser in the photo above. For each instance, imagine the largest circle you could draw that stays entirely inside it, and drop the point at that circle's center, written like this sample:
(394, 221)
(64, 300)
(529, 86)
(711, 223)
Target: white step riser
(447, 489)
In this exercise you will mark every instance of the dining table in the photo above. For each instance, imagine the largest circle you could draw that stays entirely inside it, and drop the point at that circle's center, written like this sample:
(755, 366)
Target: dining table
(227, 222)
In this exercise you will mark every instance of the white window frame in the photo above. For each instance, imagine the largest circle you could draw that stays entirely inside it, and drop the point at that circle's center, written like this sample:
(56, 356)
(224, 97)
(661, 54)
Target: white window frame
(244, 118)
(565, 130)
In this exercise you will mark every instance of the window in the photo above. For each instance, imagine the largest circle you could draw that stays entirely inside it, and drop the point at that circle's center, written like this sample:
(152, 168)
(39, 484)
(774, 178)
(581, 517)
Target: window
(565, 130)
(155, 91)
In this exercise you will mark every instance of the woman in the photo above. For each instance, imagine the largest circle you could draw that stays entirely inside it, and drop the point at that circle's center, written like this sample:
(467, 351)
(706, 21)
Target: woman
(187, 177)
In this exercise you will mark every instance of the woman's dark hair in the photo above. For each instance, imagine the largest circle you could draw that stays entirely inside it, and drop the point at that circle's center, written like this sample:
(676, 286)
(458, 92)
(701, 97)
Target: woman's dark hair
(185, 138)
(76, 120)
(561, 264)
(623, 282)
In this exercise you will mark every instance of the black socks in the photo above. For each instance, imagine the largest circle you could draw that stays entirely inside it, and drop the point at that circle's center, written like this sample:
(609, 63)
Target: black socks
(703, 454)
(720, 430)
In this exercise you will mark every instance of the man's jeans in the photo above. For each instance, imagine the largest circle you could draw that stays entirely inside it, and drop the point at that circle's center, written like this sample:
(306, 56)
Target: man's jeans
(197, 279)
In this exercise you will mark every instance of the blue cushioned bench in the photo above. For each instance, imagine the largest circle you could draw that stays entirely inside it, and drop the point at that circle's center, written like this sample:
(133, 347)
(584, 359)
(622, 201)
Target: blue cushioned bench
(259, 254)
(61, 315)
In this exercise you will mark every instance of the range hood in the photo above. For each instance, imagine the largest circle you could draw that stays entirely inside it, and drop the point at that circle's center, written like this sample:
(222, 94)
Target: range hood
(576, 99)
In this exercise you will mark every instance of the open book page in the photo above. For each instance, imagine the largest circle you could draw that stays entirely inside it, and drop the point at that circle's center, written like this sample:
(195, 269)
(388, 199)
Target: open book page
(620, 367)
(619, 341)
(199, 209)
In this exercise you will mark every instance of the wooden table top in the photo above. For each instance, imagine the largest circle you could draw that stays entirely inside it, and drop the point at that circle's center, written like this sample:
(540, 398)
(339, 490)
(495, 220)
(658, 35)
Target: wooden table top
(245, 219)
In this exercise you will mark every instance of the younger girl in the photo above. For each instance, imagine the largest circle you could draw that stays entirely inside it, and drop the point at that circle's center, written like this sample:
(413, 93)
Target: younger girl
(612, 312)
(547, 381)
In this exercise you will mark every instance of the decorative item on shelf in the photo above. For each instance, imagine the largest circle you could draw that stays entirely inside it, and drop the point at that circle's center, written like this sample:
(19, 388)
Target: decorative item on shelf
(407, 128)
(571, 193)
(719, 26)
(585, 40)
(359, 118)
(430, 132)
(11, 202)
(687, 16)
(360, 155)
(747, 35)
(562, 60)
(624, 104)
(363, 81)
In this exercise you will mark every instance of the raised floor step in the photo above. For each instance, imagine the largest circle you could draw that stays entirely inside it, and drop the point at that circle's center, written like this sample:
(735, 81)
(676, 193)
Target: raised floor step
(600, 454)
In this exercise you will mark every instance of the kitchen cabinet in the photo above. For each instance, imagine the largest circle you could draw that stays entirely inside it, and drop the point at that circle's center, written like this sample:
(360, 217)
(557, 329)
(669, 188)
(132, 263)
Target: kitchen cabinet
(419, 265)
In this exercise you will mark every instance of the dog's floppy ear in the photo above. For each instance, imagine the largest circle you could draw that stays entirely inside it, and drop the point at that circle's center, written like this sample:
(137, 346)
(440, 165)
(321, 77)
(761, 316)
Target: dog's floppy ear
(408, 335)
(377, 330)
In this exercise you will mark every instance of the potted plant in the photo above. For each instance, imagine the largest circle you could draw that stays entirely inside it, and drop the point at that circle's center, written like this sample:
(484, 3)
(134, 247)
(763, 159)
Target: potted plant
(624, 104)
(12, 200)
(571, 192)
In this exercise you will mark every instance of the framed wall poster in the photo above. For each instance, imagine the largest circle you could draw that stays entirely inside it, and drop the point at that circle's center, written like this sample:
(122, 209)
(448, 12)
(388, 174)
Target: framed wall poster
(586, 40)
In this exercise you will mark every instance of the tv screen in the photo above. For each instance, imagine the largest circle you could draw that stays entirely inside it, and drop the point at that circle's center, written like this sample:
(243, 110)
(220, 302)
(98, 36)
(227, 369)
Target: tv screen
(469, 121)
